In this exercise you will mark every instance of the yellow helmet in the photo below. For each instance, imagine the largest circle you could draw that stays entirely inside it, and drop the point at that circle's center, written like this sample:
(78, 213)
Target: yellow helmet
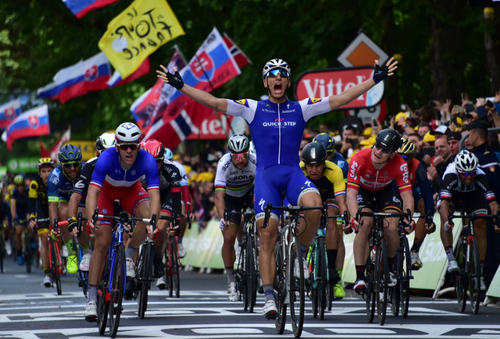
(19, 180)
(45, 162)
(407, 147)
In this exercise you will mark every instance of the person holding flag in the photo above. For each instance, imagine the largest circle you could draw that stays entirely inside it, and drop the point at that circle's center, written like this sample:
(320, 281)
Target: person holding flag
(277, 125)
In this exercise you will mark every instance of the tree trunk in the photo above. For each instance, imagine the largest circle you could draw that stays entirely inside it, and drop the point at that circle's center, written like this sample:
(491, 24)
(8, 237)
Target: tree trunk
(492, 50)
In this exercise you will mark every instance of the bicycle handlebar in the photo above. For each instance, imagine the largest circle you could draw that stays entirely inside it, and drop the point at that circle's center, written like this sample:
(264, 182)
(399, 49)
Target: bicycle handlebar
(124, 218)
(291, 209)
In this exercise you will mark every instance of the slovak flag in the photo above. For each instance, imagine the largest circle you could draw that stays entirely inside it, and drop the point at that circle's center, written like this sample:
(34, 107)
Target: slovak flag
(32, 123)
(77, 80)
(8, 112)
(116, 79)
(81, 7)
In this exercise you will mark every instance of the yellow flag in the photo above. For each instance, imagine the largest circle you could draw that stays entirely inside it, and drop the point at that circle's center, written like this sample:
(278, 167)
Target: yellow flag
(137, 32)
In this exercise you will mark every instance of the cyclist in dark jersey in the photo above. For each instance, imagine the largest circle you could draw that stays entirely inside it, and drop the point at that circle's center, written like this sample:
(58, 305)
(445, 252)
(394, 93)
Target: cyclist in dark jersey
(77, 200)
(277, 126)
(19, 212)
(38, 208)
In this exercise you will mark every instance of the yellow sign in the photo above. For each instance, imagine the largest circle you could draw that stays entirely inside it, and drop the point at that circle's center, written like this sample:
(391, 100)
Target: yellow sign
(86, 147)
(137, 32)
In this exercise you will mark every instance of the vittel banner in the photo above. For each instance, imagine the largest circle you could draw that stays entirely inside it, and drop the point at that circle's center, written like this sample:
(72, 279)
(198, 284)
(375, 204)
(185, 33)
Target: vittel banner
(326, 82)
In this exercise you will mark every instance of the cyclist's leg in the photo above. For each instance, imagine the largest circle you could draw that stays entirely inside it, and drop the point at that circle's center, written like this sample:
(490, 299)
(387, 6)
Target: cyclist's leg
(43, 234)
(72, 264)
(19, 243)
(420, 234)
(160, 243)
(332, 243)
(444, 208)
(103, 237)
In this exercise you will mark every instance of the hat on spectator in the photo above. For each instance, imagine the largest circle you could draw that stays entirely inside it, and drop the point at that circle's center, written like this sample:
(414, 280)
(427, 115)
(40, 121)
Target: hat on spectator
(454, 136)
(429, 138)
(441, 130)
(367, 132)
(399, 116)
(469, 108)
(367, 143)
(482, 124)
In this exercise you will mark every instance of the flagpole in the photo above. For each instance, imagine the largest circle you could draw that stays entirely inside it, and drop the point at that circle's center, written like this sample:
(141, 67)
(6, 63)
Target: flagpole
(211, 85)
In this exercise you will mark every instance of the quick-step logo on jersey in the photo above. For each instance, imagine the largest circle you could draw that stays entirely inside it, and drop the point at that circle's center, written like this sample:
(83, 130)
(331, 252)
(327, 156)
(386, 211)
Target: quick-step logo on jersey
(277, 123)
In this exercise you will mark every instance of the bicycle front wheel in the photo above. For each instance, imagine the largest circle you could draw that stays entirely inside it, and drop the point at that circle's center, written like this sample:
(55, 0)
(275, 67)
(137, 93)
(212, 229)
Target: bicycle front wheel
(144, 269)
(474, 272)
(116, 289)
(175, 270)
(404, 277)
(55, 263)
(369, 295)
(381, 279)
(296, 292)
(102, 308)
(461, 278)
(251, 275)
(322, 278)
(280, 289)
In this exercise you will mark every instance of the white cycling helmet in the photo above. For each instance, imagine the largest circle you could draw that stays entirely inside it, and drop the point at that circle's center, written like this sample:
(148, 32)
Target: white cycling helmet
(105, 141)
(127, 133)
(276, 64)
(169, 155)
(238, 143)
(466, 161)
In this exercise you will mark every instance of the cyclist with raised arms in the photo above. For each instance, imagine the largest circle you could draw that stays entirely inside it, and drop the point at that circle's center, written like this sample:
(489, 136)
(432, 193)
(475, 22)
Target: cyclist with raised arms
(328, 179)
(326, 140)
(377, 182)
(60, 187)
(38, 208)
(465, 186)
(277, 125)
(117, 176)
(19, 212)
(233, 191)
(186, 201)
(170, 198)
(77, 200)
(422, 195)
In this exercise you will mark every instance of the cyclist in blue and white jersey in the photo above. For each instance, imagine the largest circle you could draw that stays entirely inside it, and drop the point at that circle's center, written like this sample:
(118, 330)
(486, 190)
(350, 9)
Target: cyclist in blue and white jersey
(277, 125)
(77, 201)
(60, 187)
(117, 176)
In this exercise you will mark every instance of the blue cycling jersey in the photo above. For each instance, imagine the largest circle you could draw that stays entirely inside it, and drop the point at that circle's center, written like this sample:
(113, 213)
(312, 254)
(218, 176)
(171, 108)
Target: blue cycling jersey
(109, 170)
(339, 160)
(59, 186)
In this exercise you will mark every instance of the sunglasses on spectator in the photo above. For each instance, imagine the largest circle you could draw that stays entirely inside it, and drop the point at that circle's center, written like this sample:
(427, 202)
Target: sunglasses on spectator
(239, 156)
(274, 73)
(468, 174)
(125, 147)
(384, 149)
(73, 164)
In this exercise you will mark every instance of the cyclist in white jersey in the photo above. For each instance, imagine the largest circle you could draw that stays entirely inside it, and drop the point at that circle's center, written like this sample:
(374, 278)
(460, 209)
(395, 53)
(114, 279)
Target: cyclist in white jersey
(234, 191)
(277, 126)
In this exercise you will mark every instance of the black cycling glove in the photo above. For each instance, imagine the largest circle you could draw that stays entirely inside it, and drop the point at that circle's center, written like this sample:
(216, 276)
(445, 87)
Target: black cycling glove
(380, 73)
(175, 80)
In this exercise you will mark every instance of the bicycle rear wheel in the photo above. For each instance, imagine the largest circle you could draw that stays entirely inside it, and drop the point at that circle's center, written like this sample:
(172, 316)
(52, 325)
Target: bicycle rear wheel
(144, 272)
(474, 272)
(296, 291)
(251, 275)
(381, 279)
(116, 290)
(322, 278)
(461, 278)
(175, 270)
(280, 289)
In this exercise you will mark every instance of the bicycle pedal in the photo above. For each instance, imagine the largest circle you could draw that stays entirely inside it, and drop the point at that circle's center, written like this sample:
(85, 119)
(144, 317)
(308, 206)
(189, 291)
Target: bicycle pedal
(91, 319)
(271, 315)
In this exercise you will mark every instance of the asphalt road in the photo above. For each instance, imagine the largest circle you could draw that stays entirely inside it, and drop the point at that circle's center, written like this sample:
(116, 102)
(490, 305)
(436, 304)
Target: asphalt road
(28, 310)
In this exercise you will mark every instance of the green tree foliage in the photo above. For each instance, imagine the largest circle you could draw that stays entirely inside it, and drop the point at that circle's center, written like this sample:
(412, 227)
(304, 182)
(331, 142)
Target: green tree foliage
(38, 38)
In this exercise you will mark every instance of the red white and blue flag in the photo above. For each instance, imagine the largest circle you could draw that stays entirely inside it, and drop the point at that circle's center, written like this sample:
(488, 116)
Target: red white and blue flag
(77, 80)
(9, 112)
(210, 68)
(238, 55)
(32, 123)
(81, 7)
(117, 80)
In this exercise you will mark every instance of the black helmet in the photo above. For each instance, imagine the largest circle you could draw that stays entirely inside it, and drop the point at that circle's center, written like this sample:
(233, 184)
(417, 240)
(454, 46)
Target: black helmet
(326, 140)
(314, 153)
(389, 138)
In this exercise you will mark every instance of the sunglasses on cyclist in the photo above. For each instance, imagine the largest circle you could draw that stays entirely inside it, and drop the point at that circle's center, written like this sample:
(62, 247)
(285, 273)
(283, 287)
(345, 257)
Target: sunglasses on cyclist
(468, 174)
(274, 73)
(73, 164)
(405, 157)
(384, 149)
(239, 156)
(125, 147)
